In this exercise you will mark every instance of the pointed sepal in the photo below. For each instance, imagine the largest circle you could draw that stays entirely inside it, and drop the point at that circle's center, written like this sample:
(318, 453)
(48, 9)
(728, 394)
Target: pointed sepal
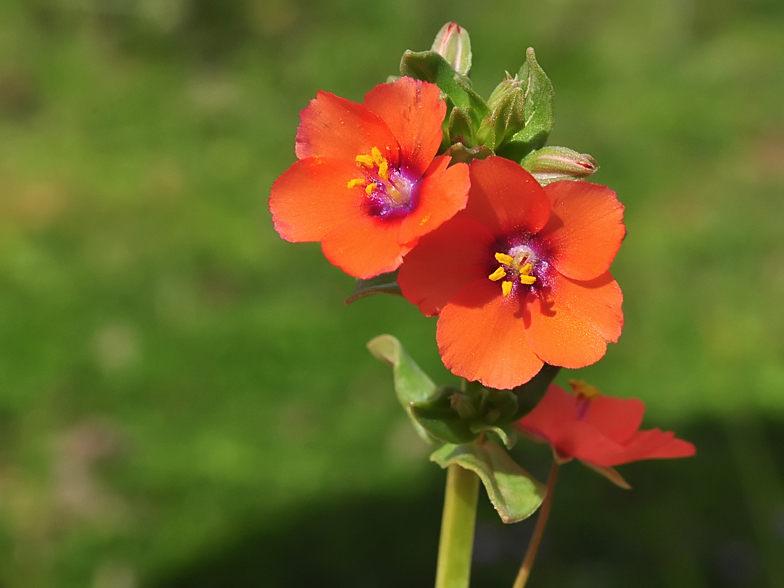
(380, 284)
(609, 473)
(440, 418)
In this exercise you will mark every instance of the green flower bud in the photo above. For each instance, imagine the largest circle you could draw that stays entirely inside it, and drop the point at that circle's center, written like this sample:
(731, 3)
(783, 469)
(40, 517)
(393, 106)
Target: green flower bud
(550, 164)
(453, 44)
(507, 113)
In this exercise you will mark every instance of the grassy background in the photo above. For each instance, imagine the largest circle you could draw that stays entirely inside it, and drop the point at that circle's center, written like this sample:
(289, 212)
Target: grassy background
(184, 400)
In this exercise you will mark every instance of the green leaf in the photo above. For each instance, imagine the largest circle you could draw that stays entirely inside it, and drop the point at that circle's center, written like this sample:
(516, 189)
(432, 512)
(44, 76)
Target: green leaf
(514, 493)
(438, 417)
(539, 108)
(505, 433)
(411, 383)
(380, 284)
(431, 67)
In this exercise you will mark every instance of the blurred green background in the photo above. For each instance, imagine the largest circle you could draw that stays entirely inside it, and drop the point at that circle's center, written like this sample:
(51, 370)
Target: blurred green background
(186, 402)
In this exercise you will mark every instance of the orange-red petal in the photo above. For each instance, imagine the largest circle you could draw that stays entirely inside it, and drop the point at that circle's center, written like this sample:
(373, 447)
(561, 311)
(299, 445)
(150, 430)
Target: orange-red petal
(555, 410)
(332, 126)
(617, 418)
(651, 444)
(605, 436)
(571, 322)
(585, 228)
(365, 246)
(504, 197)
(443, 262)
(442, 193)
(481, 336)
(413, 110)
(310, 199)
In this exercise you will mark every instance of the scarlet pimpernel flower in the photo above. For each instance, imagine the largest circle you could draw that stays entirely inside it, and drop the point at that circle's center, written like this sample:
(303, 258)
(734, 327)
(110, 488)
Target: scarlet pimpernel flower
(368, 183)
(599, 430)
(520, 277)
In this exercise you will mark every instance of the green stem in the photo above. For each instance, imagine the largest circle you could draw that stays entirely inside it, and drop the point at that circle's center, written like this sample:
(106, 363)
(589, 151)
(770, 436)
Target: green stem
(457, 528)
(541, 523)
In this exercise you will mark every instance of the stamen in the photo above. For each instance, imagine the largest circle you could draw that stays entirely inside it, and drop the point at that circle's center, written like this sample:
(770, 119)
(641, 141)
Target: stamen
(355, 182)
(526, 269)
(383, 169)
(584, 391)
(498, 274)
(527, 280)
(504, 258)
(369, 188)
(506, 288)
(366, 160)
(377, 157)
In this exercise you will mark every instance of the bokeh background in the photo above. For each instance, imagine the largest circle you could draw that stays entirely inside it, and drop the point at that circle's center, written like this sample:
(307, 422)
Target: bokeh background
(186, 402)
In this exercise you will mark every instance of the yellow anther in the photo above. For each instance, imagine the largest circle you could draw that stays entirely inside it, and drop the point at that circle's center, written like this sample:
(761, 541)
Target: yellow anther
(506, 288)
(369, 188)
(526, 269)
(377, 157)
(498, 274)
(383, 169)
(528, 280)
(365, 160)
(584, 391)
(504, 258)
(355, 182)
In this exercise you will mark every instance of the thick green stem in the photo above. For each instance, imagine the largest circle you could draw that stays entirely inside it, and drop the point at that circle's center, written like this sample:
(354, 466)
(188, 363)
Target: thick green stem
(457, 528)
(541, 523)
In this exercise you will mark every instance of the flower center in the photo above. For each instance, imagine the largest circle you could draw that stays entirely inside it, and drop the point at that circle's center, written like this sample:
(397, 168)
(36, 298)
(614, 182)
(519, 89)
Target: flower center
(516, 264)
(584, 394)
(388, 192)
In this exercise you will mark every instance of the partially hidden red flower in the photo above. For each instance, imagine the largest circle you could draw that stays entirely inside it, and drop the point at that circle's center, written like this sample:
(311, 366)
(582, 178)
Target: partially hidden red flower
(368, 183)
(520, 277)
(599, 430)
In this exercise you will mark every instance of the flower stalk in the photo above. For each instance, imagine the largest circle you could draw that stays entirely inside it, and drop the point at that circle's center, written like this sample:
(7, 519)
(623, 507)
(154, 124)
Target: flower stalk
(541, 523)
(457, 528)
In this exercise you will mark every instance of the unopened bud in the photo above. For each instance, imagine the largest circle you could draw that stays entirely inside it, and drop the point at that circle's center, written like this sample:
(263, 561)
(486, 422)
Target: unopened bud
(511, 85)
(550, 164)
(453, 44)
(507, 113)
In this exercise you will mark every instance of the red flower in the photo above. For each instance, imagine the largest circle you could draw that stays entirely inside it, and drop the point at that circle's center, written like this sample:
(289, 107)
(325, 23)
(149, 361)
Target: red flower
(367, 184)
(599, 430)
(520, 277)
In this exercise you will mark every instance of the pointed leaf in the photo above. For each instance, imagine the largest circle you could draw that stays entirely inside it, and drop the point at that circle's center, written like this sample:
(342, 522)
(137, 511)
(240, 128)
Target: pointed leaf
(431, 67)
(514, 493)
(411, 383)
(539, 111)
